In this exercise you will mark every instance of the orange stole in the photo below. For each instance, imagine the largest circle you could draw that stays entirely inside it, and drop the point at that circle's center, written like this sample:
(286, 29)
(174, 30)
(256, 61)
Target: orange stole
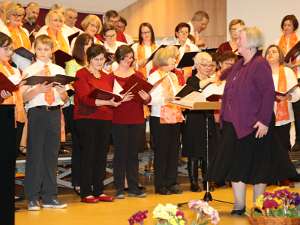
(19, 37)
(169, 114)
(282, 112)
(283, 44)
(141, 55)
(59, 41)
(16, 97)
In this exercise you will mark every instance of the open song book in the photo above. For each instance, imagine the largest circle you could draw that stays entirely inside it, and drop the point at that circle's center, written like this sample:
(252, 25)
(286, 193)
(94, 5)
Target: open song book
(207, 99)
(132, 86)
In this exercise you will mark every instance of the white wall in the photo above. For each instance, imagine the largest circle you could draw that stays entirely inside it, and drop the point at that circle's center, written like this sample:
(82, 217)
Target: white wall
(265, 14)
(93, 6)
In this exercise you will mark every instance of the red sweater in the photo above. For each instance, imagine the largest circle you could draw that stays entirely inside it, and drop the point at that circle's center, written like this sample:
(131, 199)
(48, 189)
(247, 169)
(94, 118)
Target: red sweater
(130, 112)
(85, 107)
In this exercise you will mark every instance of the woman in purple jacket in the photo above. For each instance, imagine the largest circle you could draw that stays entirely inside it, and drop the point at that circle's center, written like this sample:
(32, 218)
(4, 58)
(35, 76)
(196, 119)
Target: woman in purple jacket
(246, 116)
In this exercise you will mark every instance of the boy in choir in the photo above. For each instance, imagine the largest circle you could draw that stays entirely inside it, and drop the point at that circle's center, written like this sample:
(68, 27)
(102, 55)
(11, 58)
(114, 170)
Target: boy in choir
(43, 103)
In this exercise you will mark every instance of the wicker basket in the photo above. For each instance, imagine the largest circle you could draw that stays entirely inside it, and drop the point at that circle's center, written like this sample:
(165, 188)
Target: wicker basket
(268, 220)
(265, 220)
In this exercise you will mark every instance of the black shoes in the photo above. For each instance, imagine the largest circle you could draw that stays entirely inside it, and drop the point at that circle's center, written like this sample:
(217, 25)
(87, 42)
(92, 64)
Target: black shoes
(238, 212)
(195, 186)
(162, 191)
(175, 189)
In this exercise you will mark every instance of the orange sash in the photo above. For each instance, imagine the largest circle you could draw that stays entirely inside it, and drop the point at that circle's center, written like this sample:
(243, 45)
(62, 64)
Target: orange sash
(141, 55)
(59, 41)
(16, 98)
(282, 112)
(19, 37)
(286, 44)
(169, 114)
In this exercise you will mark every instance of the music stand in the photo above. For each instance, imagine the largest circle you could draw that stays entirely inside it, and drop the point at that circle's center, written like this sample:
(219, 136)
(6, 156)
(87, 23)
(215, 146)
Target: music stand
(203, 106)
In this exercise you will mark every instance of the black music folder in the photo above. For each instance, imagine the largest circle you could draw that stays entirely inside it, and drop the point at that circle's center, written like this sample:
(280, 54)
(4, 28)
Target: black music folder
(60, 79)
(293, 53)
(61, 57)
(23, 52)
(187, 89)
(72, 36)
(187, 60)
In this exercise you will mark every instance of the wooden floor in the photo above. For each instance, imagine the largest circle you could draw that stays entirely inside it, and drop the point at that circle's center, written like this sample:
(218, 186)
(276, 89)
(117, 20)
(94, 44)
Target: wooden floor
(118, 212)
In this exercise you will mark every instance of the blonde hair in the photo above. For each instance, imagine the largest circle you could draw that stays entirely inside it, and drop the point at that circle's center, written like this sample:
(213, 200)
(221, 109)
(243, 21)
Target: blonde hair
(45, 40)
(89, 19)
(202, 56)
(235, 22)
(14, 8)
(54, 13)
(163, 55)
(254, 36)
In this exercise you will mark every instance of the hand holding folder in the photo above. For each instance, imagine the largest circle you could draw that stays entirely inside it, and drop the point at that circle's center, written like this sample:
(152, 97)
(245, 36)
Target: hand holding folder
(134, 85)
(283, 94)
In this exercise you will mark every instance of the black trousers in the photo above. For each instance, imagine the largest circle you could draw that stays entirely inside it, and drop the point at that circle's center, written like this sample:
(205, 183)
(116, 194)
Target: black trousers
(7, 164)
(93, 137)
(70, 128)
(128, 141)
(42, 154)
(296, 109)
(19, 132)
(166, 139)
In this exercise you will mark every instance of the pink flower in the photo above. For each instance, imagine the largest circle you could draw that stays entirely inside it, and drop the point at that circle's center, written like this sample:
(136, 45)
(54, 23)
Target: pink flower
(269, 204)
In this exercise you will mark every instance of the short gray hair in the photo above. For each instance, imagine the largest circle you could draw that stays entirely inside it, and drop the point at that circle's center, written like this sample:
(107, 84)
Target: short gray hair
(255, 38)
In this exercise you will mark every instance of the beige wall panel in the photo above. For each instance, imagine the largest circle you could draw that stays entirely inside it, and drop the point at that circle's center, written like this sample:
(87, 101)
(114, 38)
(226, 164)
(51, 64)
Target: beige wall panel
(164, 15)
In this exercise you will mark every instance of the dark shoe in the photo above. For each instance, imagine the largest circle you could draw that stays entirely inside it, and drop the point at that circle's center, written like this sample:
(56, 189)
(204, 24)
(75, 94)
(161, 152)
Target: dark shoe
(162, 191)
(296, 147)
(54, 204)
(193, 166)
(195, 187)
(34, 206)
(90, 200)
(287, 182)
(105, 198)
(139, 194)
(175, 189)
(120, 195)
(238, 212)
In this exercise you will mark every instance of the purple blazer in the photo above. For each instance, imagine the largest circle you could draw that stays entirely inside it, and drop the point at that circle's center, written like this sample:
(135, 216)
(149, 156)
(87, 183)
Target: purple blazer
(249, 95)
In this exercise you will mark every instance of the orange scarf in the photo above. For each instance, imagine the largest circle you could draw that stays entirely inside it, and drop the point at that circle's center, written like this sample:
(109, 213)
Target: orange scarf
(141, 55)
(169, 114)
(59, 41)
(286, 44)
(16, 98)
(19, 37)
(282, 112)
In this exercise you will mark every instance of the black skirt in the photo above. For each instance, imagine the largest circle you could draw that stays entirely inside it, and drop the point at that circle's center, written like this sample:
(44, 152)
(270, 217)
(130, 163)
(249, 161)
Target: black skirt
(248, 159)
(194, 141)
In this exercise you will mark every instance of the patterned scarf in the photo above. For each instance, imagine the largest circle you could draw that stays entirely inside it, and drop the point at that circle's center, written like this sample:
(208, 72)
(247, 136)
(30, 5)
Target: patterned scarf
(282, 112)
(16, 98)
(169, 114)
(59, 41)
(19, 37)
(141, 55)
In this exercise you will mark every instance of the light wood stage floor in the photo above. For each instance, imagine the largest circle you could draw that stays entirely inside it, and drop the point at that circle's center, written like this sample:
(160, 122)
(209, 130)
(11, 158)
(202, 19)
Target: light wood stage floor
(118, 212)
